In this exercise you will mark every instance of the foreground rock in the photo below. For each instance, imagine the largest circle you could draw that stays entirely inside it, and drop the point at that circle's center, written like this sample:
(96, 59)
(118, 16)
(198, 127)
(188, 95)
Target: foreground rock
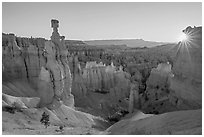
(178, 122)
(27, 122)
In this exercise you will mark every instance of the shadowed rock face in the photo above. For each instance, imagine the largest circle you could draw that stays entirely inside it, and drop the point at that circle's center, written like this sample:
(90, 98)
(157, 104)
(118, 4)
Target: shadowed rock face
(134, 97)
(21, 66)
(21, 62)
(187, 82)
(188, 60)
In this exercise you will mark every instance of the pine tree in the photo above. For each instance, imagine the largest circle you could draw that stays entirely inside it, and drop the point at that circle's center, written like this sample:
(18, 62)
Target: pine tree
(45, 119)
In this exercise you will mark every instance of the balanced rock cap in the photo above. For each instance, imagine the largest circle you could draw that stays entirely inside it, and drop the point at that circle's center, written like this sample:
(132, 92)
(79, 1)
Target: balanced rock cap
(54, 23)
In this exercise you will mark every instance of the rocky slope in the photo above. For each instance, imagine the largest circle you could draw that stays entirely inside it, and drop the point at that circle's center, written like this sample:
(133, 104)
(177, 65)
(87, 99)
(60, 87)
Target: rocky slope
(187, 83)
(38, 79)
(172, 123)
(171, 87)
(42, 76)
(178, 87)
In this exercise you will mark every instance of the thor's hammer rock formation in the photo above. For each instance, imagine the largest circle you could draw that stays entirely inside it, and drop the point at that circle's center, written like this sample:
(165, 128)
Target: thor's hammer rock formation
(55, 77)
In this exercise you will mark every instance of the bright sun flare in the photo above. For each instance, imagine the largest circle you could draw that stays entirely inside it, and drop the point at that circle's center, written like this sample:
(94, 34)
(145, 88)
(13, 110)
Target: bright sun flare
(183, 37)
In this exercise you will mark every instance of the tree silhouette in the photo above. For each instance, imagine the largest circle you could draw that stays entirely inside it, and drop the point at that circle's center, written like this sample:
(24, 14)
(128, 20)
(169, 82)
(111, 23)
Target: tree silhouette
(45, 119)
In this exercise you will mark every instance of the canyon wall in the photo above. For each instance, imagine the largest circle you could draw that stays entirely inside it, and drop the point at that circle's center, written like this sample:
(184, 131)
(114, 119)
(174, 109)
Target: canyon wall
(187, 83)
(155, 99)
(21, 64)
(178, 87)
(37, 79)
(42, 68)
(45, 70)
(100, 87)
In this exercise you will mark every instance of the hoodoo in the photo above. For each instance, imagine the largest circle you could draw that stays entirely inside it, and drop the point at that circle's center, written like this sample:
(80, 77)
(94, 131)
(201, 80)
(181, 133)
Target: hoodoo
(131, 91)
(37, 79)
(59, 76)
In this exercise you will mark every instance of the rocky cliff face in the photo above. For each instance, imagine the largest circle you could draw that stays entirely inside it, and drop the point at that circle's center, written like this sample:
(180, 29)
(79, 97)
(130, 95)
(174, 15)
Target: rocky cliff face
(37, 79)
(179, 87)
(40, 68)
(187, 83)
(100, 87)
(58, 73)
(156, 96)
(44, 68)
(134, 100)
(25, 55)
(21, 65)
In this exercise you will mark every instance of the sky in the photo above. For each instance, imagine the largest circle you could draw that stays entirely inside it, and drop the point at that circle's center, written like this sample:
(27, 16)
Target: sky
(150, 21)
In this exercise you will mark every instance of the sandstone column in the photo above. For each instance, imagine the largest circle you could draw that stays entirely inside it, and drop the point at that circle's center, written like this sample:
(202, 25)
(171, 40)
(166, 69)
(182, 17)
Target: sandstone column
(58, 70)
(134, 97)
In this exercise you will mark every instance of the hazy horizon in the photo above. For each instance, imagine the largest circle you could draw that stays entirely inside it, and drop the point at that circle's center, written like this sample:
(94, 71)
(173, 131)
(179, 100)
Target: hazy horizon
(162, 22)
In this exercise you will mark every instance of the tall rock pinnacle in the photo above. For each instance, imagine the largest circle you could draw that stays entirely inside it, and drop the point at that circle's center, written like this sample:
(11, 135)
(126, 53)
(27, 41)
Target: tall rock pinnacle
(59, 72)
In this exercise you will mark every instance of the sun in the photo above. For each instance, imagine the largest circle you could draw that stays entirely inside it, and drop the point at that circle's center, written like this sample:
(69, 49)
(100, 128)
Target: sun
(183, 37)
